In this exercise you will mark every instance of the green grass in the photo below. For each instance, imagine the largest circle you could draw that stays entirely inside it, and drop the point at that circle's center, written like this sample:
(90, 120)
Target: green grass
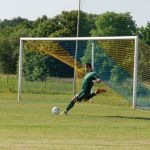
(52, 85)
(11, 86)
(107, 124)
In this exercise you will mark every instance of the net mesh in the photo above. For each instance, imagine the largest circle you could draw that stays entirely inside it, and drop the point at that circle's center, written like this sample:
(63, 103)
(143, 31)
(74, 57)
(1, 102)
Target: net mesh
(113, 61)
(143, 94)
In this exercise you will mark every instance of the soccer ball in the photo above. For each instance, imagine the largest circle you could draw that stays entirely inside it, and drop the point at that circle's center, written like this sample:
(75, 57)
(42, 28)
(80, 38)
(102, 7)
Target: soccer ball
(55, 110)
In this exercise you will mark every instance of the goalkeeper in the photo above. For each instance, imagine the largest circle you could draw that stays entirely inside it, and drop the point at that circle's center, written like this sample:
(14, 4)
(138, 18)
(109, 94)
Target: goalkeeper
(87, 83)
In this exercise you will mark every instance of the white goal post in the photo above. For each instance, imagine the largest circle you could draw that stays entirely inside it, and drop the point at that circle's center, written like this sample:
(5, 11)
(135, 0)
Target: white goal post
(135, 38)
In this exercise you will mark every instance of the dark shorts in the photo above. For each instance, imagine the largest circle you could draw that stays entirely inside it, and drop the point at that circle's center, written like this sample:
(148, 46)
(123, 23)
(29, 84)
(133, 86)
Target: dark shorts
(84, 96)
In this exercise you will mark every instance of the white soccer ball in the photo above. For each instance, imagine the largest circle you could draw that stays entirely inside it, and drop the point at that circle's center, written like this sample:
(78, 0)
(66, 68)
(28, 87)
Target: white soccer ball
(55, 110)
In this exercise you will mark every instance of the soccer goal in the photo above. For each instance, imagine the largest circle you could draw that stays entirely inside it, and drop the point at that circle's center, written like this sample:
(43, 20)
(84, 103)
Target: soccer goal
(55, 66)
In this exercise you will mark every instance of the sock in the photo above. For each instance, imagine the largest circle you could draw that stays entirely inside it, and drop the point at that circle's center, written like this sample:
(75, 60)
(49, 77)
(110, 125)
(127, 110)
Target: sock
(71, 104)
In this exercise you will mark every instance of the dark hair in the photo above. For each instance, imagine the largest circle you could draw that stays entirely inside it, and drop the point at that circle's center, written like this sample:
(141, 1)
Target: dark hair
(88, 65)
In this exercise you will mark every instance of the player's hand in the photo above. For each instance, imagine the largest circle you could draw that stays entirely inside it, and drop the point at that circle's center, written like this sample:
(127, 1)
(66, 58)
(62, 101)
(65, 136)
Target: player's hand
(97, 81)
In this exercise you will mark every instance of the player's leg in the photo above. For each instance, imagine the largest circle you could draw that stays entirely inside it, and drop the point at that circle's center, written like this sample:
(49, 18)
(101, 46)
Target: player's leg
(71, 104)
(76, 98)
(91, 100)
(89, 96)
(98, 91)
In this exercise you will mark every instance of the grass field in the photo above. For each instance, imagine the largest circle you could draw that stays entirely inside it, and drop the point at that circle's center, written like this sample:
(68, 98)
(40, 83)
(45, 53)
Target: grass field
(107, 124)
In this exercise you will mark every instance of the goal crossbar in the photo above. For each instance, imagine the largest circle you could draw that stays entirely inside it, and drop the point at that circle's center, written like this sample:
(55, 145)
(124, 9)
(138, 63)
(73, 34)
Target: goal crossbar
(77, 38)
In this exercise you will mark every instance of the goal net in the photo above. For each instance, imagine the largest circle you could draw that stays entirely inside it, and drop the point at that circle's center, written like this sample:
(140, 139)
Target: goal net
(55, 66)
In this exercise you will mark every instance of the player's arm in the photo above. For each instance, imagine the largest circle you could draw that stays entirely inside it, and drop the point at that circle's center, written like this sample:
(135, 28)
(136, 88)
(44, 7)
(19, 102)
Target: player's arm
(97, 79)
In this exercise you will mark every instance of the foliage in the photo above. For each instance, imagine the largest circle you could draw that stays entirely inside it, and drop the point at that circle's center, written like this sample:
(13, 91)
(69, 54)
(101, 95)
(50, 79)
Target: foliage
(7, 60)
(144, 33)
(64, 25)
(144, 52)
(114, 24)
(11, 31)
(34, 67)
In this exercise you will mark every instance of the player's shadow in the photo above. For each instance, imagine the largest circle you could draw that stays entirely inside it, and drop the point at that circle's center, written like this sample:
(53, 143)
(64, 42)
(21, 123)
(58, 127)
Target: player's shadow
(128, 117)
(119, 117)
(116, 117)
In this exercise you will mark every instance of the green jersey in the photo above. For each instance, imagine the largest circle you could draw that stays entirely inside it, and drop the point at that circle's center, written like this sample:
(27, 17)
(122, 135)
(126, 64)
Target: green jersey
(87, 81)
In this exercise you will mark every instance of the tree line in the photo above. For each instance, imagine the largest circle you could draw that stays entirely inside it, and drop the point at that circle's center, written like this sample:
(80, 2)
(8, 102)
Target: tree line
(62, 25)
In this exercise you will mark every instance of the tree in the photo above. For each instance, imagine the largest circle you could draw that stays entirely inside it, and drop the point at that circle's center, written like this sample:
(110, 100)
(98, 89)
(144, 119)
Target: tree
(6, 57)
(7, 60)
(11, 31)
(66, 24)
(144, 52)
(144, 34)
(34, 67)
(114, 24)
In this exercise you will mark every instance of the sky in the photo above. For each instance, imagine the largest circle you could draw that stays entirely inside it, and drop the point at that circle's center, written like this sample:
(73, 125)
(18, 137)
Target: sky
(32, 9)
